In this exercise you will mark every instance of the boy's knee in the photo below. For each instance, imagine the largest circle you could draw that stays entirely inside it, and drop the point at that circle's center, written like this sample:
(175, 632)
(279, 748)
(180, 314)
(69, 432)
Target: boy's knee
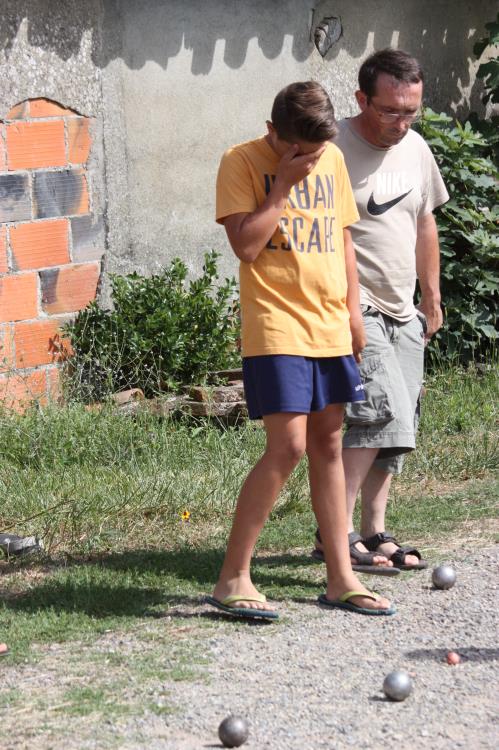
(288, 453)
(326, 447)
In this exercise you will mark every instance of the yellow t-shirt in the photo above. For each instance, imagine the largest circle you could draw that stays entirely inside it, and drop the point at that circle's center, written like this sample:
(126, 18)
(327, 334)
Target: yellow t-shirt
(293, 296)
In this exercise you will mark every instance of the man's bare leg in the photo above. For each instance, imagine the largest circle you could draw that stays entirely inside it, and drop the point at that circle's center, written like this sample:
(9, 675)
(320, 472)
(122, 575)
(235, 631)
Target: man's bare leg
(327, 489)
(357, 463)
(286, 440)
(375, 490)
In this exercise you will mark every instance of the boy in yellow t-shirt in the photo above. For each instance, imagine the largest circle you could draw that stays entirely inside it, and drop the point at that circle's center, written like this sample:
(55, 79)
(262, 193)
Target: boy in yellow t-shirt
(285, 201)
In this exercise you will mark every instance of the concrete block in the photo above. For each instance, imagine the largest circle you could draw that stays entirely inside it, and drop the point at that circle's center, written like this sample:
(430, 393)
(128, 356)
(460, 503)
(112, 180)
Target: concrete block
(15, 201)
(61, 193)
(88, 238)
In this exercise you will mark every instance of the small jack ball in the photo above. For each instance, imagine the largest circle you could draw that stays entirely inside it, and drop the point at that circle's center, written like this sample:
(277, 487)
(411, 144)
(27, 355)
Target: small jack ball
(443, 577)
(233, 731)
(453, 658)
(397, 685)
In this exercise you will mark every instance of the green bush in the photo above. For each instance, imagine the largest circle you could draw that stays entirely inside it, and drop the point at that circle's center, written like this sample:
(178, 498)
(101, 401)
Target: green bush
(162, 332)
(468, 238)
(488, 72)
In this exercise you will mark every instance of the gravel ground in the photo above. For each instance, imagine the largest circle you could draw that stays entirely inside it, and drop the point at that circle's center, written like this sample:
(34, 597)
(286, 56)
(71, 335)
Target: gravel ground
(313, 680)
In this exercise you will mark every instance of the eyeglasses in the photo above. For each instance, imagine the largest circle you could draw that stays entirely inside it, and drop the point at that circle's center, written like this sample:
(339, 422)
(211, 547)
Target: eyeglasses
(388, 118)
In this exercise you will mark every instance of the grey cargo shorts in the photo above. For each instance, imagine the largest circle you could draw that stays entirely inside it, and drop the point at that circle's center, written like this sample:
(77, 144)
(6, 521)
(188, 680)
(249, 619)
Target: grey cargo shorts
(392, 373)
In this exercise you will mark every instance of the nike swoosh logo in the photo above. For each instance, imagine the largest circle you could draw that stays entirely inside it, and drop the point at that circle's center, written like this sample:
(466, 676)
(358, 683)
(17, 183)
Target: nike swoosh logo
(376, 209)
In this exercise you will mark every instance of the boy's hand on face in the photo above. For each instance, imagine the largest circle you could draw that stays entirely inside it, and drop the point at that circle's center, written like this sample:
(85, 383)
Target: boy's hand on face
(294, 166)
(358, 336)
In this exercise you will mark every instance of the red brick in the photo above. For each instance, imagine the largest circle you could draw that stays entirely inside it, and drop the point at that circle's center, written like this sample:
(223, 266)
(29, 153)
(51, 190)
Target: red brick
(40, 244)
(47, 108)
(3, 250)
(6, 348)
(62, 193)
(19, 390)
(54, 382)
(33, 145)
(40, 342)
(18, 297)
(79, 140)
(18, 112)
(3, 158)
(69, 289)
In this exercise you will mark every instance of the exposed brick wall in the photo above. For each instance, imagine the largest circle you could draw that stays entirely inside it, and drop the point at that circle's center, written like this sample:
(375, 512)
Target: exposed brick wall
(51, 244)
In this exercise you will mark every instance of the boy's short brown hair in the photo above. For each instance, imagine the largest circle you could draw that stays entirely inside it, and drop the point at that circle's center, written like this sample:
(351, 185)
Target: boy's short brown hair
(303, 111)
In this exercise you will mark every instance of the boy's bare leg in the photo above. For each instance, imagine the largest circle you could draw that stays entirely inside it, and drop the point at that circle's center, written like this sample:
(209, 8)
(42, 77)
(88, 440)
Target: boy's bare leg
(327, 489)
(375, 489)
(286, 440)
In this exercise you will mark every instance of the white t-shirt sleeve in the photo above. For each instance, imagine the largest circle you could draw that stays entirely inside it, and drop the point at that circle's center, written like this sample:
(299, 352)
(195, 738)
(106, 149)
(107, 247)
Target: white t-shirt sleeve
(434, 190)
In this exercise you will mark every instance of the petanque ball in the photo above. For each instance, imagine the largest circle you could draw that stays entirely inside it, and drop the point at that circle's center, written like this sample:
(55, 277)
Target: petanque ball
(397, 685)
(453, 658)
(443, 577)
(233, 731)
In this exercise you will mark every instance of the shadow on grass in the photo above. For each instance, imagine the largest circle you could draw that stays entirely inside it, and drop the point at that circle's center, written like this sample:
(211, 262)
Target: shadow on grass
(145, 583)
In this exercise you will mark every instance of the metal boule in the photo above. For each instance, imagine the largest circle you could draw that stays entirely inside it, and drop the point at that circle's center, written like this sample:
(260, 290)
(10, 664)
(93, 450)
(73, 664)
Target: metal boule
(397, 685)
(443, 577)
(233, 731)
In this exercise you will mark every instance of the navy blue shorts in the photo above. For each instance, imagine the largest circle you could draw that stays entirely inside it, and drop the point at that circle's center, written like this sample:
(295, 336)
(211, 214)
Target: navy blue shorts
(276, 383)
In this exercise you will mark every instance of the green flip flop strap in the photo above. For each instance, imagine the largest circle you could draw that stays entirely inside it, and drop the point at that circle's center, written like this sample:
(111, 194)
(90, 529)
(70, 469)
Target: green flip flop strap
(350, 594)
(260, 598)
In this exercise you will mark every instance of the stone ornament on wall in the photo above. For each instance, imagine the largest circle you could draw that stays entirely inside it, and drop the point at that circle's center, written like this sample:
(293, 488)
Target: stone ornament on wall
(327, 33)
(51, 245)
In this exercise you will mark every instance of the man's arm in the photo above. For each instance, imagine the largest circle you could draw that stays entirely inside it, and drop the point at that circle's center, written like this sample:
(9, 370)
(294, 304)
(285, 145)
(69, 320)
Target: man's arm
(353, 297)
(428, 271)
(248, 233)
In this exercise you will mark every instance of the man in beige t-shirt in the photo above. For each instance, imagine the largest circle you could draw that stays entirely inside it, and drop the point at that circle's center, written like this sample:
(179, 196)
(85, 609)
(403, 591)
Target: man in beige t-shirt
(396, 184)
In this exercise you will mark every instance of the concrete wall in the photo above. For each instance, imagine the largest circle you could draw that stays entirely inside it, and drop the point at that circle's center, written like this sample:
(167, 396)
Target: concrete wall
(174, 82)
(169, 84)
(183, 80)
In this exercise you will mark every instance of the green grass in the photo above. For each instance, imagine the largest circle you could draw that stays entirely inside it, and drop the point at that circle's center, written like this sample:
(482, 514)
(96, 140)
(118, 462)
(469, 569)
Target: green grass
(107, 491)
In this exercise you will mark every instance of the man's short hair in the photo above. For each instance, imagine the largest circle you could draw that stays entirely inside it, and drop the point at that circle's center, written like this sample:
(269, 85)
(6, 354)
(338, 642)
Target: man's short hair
(303, 111)
(397, 63)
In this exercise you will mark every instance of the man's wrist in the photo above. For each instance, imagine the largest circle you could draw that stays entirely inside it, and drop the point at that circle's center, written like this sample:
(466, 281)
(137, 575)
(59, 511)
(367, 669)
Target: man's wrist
(431, 299)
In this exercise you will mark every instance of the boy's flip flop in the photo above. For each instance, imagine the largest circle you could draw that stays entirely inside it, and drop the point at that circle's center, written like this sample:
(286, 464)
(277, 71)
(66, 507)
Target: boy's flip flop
(398, 557)
(363, 560)
(344, 603)
(248, 612)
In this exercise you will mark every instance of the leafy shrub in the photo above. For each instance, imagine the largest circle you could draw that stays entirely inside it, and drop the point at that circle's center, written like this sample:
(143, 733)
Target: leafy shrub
(488, 72)
(162, 332)
(468, 237)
